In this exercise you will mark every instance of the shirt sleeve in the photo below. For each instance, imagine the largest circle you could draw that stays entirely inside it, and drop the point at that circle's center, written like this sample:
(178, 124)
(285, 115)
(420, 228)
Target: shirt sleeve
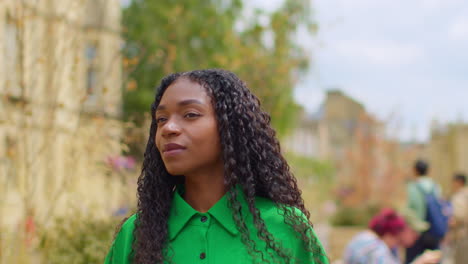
(121, 249)
(315, 254)
(110, 256)
(317, 257)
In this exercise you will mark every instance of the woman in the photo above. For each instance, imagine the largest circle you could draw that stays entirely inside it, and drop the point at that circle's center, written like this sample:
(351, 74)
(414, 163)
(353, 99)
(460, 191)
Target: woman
(387, 232)
(214, 186)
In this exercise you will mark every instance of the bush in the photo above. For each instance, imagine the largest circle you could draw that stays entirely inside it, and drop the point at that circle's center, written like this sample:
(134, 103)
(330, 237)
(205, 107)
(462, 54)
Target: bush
(77, 240)
(306, 167)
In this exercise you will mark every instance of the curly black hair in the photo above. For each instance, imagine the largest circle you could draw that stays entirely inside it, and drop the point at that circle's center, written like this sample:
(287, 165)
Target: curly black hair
(252, 159)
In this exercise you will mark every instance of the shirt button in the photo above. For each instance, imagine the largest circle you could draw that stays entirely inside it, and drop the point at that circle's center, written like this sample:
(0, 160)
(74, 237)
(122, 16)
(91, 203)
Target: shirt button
(202, 255)
(203, 219)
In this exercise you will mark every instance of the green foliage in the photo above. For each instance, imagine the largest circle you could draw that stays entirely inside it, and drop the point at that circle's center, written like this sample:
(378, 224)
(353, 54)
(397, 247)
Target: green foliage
(168, 36)
(305, 167)
(77, 240)
(354, 216)
(315, 178)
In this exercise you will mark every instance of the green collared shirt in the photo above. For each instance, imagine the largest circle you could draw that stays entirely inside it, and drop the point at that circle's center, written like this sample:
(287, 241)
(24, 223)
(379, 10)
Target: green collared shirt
(213, 237)
(416, 200)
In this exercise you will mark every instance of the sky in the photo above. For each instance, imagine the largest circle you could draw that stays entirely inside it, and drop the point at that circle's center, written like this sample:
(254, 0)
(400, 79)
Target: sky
(406, 61)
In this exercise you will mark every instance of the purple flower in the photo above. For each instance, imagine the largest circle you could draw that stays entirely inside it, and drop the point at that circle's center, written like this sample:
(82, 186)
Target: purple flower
(121, 162)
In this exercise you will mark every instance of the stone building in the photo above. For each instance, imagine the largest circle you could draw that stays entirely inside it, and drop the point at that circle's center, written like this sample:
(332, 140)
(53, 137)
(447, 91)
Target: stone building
(369, 166)
(60, 102)
(309, 138)
(448, 153)
(330, 130)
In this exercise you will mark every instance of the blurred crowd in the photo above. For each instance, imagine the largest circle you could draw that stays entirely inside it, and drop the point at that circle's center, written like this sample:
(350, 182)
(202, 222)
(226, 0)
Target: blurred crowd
(428, 229)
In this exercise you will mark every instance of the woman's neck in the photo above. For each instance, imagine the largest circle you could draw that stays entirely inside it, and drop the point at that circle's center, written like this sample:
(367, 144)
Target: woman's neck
(203, 190)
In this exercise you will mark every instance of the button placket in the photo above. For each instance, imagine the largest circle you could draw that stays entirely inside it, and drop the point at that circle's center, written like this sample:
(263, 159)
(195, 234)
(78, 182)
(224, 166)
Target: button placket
(204, 222)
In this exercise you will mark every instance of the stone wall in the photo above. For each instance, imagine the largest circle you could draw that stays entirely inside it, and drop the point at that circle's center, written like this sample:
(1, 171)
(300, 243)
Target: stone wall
(448, 153)
(60, 103)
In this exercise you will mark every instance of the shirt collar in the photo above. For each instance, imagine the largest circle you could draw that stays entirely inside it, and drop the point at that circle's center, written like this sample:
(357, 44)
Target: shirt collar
(223, 213)
(181, 212)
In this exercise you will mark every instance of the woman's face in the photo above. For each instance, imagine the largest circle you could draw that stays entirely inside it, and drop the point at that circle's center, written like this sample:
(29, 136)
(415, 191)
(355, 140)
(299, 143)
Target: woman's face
(187, 135)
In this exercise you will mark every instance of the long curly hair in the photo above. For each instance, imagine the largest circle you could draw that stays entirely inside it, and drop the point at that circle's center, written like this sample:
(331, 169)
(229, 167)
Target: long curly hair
(252, 159)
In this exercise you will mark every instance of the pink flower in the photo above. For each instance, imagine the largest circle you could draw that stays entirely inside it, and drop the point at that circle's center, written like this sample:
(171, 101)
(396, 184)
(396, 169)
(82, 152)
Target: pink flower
(121, 162)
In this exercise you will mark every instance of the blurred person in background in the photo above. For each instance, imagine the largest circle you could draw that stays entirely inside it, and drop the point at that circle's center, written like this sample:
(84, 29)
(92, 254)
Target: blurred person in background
(417, 191)
(214, 187)
(388, 232)
(459, 220)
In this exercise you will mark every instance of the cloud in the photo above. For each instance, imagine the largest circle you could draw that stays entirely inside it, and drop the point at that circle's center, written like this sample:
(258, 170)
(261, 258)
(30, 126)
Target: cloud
(395, 56)
(384, 53)
(310, 97)
(265, 5)
(458, 30)
(125, 3)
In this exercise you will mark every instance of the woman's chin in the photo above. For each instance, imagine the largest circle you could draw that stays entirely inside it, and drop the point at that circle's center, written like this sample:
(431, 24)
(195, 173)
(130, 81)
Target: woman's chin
(175, 171)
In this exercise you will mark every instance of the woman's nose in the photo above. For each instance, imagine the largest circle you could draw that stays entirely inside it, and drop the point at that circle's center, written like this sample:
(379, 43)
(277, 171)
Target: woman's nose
(171, 128)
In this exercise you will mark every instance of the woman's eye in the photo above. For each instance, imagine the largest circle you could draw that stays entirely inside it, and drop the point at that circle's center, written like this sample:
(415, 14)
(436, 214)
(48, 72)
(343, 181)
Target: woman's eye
(191, 115)
(160, 120)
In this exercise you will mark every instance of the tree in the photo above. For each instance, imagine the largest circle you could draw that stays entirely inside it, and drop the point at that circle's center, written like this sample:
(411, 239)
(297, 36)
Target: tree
(170, 36)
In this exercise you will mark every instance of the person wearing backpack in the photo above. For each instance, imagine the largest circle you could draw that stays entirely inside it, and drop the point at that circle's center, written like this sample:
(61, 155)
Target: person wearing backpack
(424, 199)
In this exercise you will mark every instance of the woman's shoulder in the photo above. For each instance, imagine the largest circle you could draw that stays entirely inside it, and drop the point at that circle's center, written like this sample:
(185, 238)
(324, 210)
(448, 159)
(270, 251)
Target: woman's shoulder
(125, 232)
(275, 214)
(289, 225)
(126, 229)
(121, 248)
(129, 223)
(267, 205)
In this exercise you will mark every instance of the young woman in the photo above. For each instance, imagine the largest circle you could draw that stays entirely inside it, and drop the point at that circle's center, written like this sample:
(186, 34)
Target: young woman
(214, 186)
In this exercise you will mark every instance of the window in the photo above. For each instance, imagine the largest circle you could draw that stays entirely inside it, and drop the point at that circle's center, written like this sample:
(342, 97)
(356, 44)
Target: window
(11, 63)
(91, 69)
(91, 80)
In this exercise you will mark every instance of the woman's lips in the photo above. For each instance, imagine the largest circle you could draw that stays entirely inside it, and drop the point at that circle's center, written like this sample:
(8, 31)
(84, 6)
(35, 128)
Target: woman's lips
(172, 153)
(172, 149)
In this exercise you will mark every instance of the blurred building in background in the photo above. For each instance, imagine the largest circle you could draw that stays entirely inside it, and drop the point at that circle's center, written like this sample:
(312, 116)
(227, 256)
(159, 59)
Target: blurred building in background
(60, 90)
(309, 138)
(448, 153)
(344, 117)
(329, 131)
(371, 168)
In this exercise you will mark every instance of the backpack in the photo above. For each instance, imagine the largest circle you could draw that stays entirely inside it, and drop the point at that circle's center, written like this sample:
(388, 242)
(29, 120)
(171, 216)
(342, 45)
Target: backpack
(437, 213)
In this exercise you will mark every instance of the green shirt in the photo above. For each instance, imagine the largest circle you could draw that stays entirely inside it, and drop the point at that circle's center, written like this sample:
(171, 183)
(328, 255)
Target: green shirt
(416, 199)
(212, 237)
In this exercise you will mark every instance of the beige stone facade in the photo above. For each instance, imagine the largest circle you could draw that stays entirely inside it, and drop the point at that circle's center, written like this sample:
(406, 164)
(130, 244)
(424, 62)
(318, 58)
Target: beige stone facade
(60, 100)
(369, 166)
(448, 153)
(328, 132)
(309, 138)
(334, 132)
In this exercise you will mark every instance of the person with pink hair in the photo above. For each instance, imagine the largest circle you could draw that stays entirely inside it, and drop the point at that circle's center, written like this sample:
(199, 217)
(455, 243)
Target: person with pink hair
(387, 231)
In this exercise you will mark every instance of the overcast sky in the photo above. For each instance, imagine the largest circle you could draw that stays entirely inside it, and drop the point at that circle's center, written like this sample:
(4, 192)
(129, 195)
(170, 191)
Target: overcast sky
(405, 60)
